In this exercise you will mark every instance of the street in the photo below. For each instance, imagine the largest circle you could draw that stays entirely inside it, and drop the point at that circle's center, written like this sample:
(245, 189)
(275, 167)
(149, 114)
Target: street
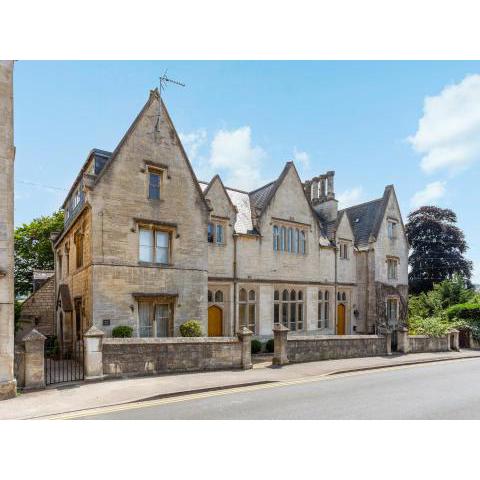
(444, 390)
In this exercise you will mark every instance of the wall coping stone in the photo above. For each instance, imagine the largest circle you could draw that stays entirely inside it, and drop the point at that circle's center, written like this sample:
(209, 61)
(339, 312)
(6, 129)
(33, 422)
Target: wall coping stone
(313, 338)
(168, 340)
(94, 331)
(34, 336)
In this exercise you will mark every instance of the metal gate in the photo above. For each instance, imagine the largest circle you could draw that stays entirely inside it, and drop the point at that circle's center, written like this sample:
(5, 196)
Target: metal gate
(464, 338)
(394, 341)
(63, 363)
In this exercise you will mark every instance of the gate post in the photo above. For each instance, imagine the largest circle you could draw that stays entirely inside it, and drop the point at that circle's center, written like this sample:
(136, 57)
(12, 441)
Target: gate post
(403, 344)
(93, 353)
(280, 356)
(34, 360)
(245, 337)
(455, 345)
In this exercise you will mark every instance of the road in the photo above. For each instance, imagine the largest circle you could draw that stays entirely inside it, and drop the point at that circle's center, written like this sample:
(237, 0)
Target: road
(443, 390)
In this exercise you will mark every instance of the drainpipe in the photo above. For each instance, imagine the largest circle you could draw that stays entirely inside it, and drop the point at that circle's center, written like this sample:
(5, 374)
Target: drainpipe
(235, 237)
(367, 289)
(335, 294)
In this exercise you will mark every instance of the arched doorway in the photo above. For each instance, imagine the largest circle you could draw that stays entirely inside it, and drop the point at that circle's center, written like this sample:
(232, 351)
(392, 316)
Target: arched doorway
(341, 319)
(215, 317)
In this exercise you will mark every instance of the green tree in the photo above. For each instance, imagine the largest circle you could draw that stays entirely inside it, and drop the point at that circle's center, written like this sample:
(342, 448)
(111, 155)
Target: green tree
(33, 249)
(437, 248)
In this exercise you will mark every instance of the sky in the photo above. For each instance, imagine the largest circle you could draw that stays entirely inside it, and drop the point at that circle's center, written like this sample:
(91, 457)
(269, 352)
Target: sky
(412, 124)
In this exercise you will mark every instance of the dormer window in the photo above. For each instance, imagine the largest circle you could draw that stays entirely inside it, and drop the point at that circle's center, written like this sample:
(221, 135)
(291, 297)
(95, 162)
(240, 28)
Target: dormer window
(344, 250)
(216, 233)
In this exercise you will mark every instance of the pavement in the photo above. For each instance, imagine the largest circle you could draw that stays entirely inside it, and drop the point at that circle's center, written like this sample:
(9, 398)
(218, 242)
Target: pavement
(70, 398)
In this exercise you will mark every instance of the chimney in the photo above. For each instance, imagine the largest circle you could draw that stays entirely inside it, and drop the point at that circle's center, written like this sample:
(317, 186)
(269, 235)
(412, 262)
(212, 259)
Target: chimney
(322, 195)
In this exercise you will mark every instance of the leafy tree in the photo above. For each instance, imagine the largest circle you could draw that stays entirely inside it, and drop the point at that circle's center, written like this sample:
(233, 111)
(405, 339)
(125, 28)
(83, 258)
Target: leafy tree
(33, 249)
(438, 245)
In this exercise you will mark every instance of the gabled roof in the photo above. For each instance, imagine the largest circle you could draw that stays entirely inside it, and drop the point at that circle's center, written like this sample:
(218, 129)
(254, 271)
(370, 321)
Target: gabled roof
(366, 218)
(212, 181)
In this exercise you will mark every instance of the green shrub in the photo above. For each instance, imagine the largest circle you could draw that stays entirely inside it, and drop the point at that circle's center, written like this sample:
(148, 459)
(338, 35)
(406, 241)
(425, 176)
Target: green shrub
(464, 311)
(432, 326)
(256, 346)
(122, 331)
(269, 346)
(192, 328)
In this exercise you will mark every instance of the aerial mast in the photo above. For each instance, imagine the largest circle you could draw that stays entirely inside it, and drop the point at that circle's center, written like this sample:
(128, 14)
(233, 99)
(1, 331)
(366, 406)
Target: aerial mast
(164, 80)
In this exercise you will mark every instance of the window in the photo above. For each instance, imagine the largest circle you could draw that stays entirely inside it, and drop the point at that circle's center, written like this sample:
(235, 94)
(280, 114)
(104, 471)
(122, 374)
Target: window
(78, 239)
(154, 181)
(341, 296)
(67, 259)
(60, 272)
(289, 309)
(247, 308)
(391, 229)
(344, 250)
(215, 233)
(392, 268)
(77, 197)
(219, 296)
(320, 309)
(210, 296)
(154, 246)
(289, 239)
(392, 308)
(326, 310)
(155, 319)
(323, 309)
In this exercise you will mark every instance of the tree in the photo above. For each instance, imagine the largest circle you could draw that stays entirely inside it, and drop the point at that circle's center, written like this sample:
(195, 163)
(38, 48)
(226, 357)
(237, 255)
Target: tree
(437, 248)
(33, 249)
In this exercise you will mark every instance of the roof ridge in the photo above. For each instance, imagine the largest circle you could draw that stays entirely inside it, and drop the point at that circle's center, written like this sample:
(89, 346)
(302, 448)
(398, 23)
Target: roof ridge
(262, 187)
(361, 204)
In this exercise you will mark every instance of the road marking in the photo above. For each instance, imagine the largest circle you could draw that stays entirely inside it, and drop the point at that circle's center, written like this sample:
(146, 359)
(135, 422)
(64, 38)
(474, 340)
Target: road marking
(252, 388)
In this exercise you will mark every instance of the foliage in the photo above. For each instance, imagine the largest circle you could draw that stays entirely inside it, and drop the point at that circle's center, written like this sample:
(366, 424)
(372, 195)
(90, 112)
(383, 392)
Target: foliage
(269, 346)
(192, 328)
(256, 346)
(18, 311)
(437, 247)
(33, 249)
(464, 311)
(432, 326)
(122, 331)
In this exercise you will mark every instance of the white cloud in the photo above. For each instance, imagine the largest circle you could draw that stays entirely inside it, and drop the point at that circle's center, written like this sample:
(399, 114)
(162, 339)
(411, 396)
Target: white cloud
(448, 133)
(350, 197)
(238, 160)
(301, 158)
(431, 193)
(193, 141)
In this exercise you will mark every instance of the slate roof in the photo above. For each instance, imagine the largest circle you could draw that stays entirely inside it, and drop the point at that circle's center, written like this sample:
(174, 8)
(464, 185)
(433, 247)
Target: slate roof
(260, 197)
(365, 218)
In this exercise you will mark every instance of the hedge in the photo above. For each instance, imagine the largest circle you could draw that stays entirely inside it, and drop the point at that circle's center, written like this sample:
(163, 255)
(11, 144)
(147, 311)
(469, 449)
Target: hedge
(122, 331)
(464, 311)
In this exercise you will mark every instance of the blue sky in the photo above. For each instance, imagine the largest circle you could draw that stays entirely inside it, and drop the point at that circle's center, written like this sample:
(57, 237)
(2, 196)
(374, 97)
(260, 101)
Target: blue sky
(244, 120)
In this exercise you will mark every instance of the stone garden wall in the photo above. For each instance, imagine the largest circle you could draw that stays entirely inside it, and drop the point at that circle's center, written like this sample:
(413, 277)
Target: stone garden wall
(423, 343)
(149, 356)
(329, 347)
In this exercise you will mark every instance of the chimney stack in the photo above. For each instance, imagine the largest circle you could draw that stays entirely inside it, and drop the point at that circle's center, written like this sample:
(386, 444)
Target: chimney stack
(321, 192)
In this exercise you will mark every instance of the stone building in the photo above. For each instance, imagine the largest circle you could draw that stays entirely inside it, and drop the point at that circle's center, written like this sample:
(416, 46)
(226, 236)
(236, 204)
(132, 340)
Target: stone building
(38, 310)
(146, 244)
(7, 155)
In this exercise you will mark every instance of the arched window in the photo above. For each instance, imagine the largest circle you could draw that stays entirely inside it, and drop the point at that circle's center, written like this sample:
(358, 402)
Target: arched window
(219, 296)
(303, 246)
(243, 295)
(327, 294)
(290, 240)
(210, 296)
(275, 238)
(247, 309)
(326, 310)
(344, 296)
(320, 295)
(283, 238)
(289, 310)
(339, 296)
(320, 309)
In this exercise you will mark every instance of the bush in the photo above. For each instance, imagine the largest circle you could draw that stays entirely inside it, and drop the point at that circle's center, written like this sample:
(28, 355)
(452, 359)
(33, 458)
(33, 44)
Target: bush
(432, 326)
(269, 346)
(192, 328)
(464, 311)
(122, 331)
(256, 346)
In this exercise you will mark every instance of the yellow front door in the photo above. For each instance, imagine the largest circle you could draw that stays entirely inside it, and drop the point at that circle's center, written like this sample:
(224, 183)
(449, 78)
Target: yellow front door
(341, 319)
(214, 321)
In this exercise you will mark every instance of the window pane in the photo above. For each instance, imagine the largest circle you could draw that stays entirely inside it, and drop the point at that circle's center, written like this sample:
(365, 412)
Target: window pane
(319, 314)
(210, 296)
(300, 316)
(276, 295)
(251, 317)
(161, 320)
(285, 314)
(293, 295)
(145, 326)
(326, 315)
(285, 295)
(326, 294)
(320, 295)
(275, 238)
(344, 296)
(283, 236)
(162, 247)
(146, 245)
(210, 233)
(242, 313)
(219, 233)
(154, 186)
(300, 295)
(251, 295)
(290, 239)
(219, 296)
(295, 241)
(302, 243)
(276, 313)
(293, 317)
(243, 295)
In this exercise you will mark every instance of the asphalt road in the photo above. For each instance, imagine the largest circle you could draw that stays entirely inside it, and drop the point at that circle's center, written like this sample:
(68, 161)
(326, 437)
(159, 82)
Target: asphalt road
(444, 390)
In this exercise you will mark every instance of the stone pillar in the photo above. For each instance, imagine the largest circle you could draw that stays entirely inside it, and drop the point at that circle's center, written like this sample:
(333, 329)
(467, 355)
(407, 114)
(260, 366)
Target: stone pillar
(455, 344)
(8, 386)
(93, 353)
(280, 356)
(388, 339)
(245, 337)
(403, 343)
(34, 360)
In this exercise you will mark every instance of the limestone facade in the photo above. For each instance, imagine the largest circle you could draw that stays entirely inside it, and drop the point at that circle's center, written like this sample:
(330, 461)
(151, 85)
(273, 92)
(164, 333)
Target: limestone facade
(160, 248)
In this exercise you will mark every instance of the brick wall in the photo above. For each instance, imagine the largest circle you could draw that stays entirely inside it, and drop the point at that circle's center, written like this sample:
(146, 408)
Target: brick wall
(330, 347)
(147, 356)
